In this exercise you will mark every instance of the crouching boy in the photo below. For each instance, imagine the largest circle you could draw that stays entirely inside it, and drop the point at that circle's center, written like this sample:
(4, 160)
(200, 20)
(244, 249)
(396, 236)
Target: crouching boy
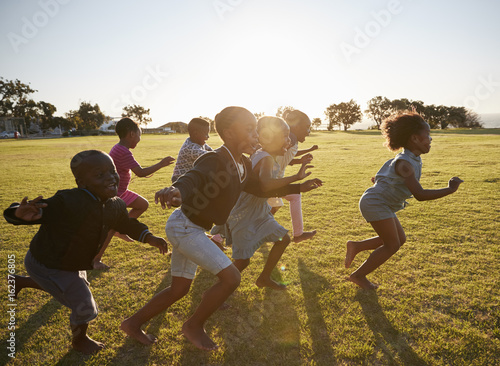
(74, 225)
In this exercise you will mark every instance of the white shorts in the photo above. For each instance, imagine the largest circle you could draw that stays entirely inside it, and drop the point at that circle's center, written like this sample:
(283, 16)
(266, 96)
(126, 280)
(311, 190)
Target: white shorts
(192, 248)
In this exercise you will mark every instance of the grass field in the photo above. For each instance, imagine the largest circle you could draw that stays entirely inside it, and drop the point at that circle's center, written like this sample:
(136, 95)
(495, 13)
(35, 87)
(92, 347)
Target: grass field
(438, 303)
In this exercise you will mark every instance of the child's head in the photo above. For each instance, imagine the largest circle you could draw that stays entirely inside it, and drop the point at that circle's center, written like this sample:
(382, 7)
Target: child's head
(273, 135)
(129, 132)
(300, 124)
(198, 129)
(404, 129)
(237, 126)
(95, 171)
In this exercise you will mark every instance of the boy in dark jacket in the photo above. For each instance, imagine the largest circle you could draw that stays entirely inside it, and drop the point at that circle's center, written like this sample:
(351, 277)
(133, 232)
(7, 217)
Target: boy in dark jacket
(74, 224)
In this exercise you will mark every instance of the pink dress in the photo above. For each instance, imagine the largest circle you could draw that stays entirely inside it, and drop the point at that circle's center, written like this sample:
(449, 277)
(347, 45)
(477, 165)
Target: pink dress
(124, 161)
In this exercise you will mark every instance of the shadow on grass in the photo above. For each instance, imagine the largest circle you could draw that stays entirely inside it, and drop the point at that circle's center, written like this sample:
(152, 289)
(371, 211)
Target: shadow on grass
(136, 350)
(312, 285)
(40, 318)
(399, 351)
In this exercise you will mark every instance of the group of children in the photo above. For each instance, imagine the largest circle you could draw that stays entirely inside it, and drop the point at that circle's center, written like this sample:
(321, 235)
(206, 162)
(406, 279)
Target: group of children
(222, 191)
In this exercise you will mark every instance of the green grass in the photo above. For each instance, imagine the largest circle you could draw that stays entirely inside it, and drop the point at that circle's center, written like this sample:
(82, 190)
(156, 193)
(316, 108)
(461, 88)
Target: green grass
(438, 303)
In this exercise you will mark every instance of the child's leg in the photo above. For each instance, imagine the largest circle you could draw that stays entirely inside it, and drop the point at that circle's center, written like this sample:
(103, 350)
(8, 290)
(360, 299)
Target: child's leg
(275, 254)
(392, 235)
(213, 298)
(355, 247)
(24, 282)
(241, 264)
(297, 221)
(160, 302)
(139, 205)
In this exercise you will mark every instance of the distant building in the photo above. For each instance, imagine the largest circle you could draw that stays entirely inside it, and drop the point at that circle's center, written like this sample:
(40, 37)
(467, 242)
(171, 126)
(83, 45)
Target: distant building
(171, 127)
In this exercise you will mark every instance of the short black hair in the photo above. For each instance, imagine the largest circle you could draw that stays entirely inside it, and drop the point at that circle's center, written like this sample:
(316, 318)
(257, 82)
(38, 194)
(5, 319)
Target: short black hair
(196, 123)
(78, 159)
(124, 126)
(229, 115)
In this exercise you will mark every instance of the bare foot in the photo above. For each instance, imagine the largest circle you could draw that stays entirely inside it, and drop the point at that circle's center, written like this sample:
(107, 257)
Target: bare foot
(362, 282)
(87, 345)
(124, 237)
(99, 265)
(304, 236)
(136, 333)
(350, 254)
(268, 282)
(198, 337)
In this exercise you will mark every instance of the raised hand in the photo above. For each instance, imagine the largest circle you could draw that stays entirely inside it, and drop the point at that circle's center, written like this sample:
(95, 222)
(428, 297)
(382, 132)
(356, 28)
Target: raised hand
(306, 159)
(302, 171)
(310, 184)
(30, 210)
(454, 183)
(168, 197)
(167, 161)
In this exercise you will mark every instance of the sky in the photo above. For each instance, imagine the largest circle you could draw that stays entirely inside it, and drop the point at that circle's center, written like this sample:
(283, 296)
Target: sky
(189, 58)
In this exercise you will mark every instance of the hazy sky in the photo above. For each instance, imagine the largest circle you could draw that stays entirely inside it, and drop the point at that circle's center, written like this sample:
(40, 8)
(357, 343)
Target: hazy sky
(186, 58)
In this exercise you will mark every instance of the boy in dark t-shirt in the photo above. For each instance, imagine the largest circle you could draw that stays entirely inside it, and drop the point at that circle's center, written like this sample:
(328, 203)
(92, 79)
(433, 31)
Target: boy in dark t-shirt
(74, 224)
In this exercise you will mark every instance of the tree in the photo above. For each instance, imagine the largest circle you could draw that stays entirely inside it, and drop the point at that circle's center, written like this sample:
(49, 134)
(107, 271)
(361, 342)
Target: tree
(281, 110)
(402, 104)
(379, 108)
(138, 113)
(13, 95)
(316, 123)
(87, 117)
(345, 114)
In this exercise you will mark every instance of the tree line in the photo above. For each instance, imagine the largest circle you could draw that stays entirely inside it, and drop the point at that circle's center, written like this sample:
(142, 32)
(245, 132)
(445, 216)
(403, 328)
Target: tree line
(15, 102)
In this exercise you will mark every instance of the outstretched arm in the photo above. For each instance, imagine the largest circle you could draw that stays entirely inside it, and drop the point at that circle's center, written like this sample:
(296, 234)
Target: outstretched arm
(305, 151)
(144, 172)
(268, 183)
(405, 170)
(307, 158)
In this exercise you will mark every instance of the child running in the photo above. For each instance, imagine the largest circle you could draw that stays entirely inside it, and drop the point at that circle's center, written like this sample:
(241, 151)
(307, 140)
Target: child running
(194, 147)
(396, 181)
(251, 223)
(129, 133)
(74, 224)
(300, 128)
(206, 193)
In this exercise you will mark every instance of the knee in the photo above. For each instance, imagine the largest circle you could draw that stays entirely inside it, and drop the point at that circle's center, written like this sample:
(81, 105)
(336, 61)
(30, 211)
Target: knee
(402, 240)
(178, 292)
(233, 278)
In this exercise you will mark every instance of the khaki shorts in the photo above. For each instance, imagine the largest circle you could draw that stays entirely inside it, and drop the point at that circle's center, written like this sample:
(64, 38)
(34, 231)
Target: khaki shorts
(192, 248)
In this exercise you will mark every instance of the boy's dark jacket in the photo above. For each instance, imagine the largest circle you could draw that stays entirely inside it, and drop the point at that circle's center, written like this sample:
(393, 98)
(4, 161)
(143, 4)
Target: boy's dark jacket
(74, 226)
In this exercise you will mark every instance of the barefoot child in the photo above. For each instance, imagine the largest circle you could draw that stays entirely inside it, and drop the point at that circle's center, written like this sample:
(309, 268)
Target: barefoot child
(251, 223)
(129, 133)
(74, 224)
(206, 193)
(300, 127)
(396, 181)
